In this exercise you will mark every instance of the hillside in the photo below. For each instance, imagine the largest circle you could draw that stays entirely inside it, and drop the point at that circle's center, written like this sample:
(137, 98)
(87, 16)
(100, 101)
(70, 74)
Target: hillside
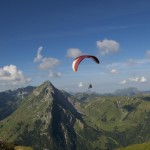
(124, 119)
(10, 100)
(49, 118)
(143, 146)
(5, 145)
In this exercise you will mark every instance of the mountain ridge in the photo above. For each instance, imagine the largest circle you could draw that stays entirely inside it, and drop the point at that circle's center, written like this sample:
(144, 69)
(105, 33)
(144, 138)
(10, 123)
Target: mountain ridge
(49, 118)
(50, 114)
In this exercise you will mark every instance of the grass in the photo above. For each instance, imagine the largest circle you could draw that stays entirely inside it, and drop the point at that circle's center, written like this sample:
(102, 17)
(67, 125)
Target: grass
(23, 148)
(144, 146)
(109, 112)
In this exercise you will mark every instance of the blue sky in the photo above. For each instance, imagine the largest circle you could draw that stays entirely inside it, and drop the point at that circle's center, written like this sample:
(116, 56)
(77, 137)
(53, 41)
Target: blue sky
(40, 39)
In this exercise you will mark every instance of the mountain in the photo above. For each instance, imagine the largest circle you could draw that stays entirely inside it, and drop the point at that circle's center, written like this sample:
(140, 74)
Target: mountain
(127, 91)
(9, 100)
(45, 120)
(123, 119)
(52, 119)
(85, 96)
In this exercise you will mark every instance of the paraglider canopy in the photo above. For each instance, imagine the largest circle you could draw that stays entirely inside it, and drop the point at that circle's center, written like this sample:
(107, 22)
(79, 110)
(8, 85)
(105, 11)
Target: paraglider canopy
(78, 60)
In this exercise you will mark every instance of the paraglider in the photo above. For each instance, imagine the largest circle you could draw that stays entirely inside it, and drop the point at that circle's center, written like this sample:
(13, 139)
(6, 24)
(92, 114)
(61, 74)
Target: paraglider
(90, 86)
(78, 60)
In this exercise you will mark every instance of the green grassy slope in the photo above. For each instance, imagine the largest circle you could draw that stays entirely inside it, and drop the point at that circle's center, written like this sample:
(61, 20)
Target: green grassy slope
(144, 146)
(108, 113)
(123, 120)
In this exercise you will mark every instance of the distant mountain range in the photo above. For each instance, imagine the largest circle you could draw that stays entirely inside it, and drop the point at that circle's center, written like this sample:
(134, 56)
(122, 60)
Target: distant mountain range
(46, 118)
(129, 91)
(9, 100)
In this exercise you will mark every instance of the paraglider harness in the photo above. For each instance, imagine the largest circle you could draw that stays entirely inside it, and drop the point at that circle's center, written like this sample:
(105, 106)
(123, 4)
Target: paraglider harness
(90, 86)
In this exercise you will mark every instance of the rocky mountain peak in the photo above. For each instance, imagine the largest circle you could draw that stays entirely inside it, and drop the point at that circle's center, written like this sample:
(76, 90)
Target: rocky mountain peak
(48, 85)
(47, 88)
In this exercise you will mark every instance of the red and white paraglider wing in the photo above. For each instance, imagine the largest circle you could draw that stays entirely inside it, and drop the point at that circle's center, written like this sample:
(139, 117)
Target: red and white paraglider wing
(78, 60)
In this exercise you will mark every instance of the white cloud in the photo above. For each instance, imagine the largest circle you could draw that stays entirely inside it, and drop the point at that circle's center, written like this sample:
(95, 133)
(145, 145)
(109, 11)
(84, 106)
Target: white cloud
(73, 53)
(129, 63)
(134, 79)
(123, 82)
(54, 74)
(80, 84)
(138, 79)
(114, 71)
(48, 63)
(45, 63)
(11, 75)
(4, 73)
(108, 46)
(38, 55)
(148, 53)
(143, 79)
